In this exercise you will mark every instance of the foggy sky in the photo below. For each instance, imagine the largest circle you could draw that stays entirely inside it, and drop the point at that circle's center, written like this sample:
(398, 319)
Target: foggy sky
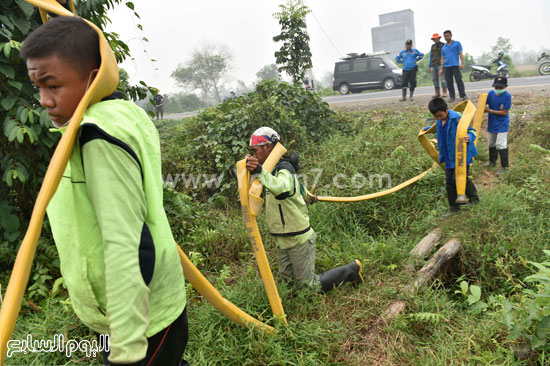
(247, 27)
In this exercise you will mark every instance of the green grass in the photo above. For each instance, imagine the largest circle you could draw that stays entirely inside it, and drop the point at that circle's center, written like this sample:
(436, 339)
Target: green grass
(511, 223)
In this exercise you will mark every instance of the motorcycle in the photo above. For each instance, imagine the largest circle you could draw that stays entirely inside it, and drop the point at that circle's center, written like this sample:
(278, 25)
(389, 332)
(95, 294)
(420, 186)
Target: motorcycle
(544, 64)
(480, 72)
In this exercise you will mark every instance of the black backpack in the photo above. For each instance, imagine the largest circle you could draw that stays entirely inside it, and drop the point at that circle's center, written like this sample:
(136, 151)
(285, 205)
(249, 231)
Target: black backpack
(290, 162)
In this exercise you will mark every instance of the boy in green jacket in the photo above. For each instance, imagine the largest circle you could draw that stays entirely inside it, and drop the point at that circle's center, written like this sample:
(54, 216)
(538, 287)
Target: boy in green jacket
(288, 220)
(116, 249)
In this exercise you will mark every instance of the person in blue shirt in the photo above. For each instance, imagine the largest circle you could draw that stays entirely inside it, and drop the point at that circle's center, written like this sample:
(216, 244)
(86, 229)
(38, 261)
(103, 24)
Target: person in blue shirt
(446, 126)
(499, 102)
(452, 61)
(409, 57)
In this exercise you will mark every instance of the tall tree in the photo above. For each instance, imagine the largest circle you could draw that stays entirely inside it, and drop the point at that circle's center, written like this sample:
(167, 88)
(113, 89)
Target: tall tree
(205, 70)
(502, 44)
(267, 72)
(294, 57)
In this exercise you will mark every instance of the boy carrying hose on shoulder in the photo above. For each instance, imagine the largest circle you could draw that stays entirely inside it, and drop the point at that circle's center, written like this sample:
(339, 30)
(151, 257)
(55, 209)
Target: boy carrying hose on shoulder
(288, 220)
(446, 126)
(116, 249)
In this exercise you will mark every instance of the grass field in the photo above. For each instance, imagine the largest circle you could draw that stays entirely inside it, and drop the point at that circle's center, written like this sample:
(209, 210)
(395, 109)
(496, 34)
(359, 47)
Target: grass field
(438, 327)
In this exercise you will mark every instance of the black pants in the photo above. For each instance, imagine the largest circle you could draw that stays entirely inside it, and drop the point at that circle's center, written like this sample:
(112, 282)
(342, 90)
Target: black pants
(450, 185)
(160, 111)
(409, 77)
(450, 72)
(166, 347)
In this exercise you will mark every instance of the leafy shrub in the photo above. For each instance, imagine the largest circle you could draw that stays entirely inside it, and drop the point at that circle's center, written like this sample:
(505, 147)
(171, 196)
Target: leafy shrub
(213, 141)
(528, 315)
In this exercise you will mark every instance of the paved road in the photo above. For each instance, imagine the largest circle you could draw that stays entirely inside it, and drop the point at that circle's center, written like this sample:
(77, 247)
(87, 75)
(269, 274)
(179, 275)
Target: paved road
(423, 90)
(429, 90)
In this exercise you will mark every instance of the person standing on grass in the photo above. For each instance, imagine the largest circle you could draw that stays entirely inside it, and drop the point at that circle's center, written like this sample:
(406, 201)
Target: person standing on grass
(159, 105)
(499, 102)
(435, 66)
(452, 61)
(116, 250)
(287, 218)
(409, 57)
(446, 127)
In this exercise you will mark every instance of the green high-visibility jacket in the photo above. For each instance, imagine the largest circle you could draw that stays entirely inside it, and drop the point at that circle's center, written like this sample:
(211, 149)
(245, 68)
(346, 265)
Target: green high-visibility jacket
(286, 211)
(117, 254)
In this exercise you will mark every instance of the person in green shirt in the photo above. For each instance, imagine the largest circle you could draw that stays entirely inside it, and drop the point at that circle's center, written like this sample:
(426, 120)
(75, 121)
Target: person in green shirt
(288, 220)
(116, 250)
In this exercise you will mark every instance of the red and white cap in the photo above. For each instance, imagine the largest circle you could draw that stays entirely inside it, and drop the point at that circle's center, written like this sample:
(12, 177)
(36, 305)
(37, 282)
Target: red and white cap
(264, 135)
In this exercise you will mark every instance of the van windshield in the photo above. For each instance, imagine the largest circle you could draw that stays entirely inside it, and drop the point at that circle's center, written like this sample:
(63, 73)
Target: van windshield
(389, 62)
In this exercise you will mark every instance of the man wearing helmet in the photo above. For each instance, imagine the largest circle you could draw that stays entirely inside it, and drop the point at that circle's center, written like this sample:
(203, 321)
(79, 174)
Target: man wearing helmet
(288, 220)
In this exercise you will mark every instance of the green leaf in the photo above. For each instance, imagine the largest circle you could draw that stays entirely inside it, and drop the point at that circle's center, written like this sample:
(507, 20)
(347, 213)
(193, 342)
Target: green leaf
(20, 136)
(7, 50)
(30, 115)
(8, 102)
(476, 291)
(56, 285)
(12, 134)
(16, 84)
(24, 116)
(7, 70)
(27, 8)
(24, 25)
(464, 287)
(8, 125)
(8, 177)
(130, 5)
(543, 328)
(6, 21)
(10, 222)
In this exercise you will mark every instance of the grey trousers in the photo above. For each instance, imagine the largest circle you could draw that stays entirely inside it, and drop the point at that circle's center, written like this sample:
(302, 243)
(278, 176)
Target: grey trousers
(298, 264)
(498, 140)
(435, 77)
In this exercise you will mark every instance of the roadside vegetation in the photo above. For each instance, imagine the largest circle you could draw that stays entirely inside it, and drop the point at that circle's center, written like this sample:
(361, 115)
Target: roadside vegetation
(485, 308)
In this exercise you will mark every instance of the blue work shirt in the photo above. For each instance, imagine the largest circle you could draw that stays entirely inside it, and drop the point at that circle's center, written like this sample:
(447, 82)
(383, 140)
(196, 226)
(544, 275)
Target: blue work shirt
(498, 124)
(450, 53)
(446, 140)
(443, 149)
(409, 58)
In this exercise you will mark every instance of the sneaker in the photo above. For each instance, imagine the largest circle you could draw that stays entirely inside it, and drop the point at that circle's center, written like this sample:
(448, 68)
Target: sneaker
(489, 164)
(464, 98)
(451, 100)
(501, 171)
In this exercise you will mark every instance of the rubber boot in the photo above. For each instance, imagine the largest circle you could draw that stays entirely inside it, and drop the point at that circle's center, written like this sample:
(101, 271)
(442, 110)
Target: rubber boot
(451, 197)
(332, 278)
(412, 92)
(445, 92)
(471, 192)
(437, 92)
(493, 156)
(404, 98)
(503, 160)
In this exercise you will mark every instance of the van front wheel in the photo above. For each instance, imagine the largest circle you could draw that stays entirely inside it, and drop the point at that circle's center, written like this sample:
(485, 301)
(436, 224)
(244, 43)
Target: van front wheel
(344, 89)
(389, 84)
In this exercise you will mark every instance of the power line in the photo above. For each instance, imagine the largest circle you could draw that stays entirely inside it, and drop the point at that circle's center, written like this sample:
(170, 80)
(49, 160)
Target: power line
(324, 32)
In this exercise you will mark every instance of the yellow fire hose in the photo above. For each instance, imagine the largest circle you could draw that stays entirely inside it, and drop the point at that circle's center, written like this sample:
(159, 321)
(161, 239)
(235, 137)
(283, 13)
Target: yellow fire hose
(103, 85)
(249, 194)
(480, 111)
(373, 195)
(467, 110)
